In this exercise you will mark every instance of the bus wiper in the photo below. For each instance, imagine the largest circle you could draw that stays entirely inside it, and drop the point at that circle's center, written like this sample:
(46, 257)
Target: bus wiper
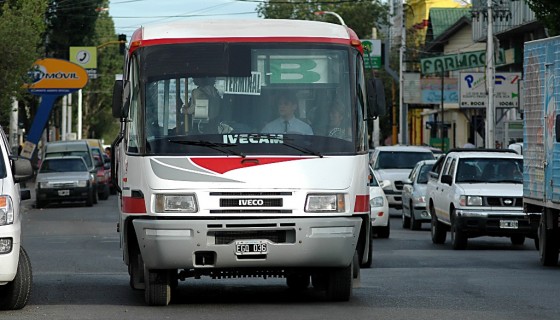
(222, 147)
(287, 144)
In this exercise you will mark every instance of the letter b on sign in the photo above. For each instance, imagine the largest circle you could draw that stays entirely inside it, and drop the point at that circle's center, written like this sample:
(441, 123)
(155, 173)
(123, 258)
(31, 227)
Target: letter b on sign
(294, 71)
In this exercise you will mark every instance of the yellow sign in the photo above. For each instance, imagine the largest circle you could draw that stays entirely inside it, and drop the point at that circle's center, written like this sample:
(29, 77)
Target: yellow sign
(51, 75)
(85, 57)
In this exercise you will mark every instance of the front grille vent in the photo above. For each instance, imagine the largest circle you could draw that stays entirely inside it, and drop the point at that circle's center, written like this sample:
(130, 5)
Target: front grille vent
(504, 201)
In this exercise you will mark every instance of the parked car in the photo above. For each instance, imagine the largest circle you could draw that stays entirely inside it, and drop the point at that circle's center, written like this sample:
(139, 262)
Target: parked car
(74, 148)
(414, 210)
(379, 207)
(478, 193)
(15, 266)
(103, 178)
(62, 179)
(103, 174)
(394, 163)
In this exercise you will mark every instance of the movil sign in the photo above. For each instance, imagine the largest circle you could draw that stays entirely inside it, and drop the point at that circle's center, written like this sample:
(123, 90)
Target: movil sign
(50, 79)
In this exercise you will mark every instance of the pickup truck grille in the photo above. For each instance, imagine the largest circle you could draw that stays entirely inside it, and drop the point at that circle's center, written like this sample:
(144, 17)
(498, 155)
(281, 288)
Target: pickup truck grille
(504, 201)
(398, 185)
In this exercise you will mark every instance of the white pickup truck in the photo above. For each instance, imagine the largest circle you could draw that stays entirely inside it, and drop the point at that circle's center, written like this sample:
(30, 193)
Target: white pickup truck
(15, 268)
(478, 192)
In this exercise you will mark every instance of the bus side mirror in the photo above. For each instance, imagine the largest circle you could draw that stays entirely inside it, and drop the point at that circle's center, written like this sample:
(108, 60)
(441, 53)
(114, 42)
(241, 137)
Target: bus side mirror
(375, 98)
(121, 98)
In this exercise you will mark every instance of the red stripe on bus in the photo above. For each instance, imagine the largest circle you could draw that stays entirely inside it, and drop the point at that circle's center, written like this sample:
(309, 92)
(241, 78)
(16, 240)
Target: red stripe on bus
(223, 165)
(133, 205)
(362, 203)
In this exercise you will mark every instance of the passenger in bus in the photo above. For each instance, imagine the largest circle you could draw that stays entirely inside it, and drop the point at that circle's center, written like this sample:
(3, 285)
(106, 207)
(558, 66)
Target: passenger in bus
(205, 102)
(287, 121)
(339, 126)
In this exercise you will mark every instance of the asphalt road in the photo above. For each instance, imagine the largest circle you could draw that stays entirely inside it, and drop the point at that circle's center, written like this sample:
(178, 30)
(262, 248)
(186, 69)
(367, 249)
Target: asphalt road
(79, 274)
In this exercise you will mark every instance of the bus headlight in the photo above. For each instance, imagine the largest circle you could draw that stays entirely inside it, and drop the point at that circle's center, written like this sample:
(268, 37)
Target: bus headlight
(185, 203)
(325, 203)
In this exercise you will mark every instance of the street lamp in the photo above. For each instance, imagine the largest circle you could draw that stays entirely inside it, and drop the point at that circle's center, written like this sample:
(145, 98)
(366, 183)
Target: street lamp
(321, 13)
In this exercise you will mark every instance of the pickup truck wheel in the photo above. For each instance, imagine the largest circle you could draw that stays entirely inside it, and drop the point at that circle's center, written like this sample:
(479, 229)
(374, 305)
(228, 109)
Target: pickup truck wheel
(339, 284)
(518, 240)
(405, 220)
(15, 294)
(297, 281)
(548, 245)
(158, 287)
(437, 229)
(458, 237)
(384, 232)
(414, 224)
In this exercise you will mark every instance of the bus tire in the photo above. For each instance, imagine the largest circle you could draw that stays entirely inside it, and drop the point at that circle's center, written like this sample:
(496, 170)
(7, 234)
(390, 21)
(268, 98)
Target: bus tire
(339, 284)
(158, 287)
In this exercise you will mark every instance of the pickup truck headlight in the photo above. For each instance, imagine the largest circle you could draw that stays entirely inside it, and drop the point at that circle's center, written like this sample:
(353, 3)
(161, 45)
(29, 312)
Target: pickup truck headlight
(470, 201)
(377, 201)
(6, 210)
(43, 185)
(325, 203)
(176, 203)
(82, 183)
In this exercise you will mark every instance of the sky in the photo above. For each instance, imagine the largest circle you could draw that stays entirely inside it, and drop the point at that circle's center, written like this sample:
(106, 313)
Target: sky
(128, 15)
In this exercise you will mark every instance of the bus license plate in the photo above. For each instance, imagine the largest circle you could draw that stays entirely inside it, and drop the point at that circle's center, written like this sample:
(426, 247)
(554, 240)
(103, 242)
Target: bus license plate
(508, 224)
(250, 247)
(63, 193)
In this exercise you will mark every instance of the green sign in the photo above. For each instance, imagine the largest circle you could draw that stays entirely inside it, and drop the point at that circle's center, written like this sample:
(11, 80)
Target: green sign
(372, 53)
(467, 60)
(436, 143)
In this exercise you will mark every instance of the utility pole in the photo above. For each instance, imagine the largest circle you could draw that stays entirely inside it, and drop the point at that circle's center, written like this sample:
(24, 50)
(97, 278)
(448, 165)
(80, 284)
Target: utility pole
(490, 110)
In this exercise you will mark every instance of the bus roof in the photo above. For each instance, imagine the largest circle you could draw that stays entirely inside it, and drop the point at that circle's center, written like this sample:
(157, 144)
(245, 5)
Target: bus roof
(242, 30)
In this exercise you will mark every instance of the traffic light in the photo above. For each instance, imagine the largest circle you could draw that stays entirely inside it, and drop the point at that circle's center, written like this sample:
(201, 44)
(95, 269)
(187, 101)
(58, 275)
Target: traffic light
(122, 43)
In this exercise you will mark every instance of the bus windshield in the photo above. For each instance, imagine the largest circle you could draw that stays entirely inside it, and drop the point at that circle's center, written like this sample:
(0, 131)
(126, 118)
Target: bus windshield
(246, 99)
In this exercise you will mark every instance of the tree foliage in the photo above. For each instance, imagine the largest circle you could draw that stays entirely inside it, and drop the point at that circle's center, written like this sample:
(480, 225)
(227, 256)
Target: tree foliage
(80, 23)
(548, 12)
(21, 27)
(360, 15)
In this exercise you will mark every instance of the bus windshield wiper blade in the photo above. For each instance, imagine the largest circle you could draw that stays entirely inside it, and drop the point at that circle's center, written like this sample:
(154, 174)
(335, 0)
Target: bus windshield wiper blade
(288, 144)
(222, 147)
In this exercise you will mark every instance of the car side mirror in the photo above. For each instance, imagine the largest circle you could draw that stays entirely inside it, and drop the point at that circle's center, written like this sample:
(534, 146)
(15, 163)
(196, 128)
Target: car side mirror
(384, 184)
(22, 169)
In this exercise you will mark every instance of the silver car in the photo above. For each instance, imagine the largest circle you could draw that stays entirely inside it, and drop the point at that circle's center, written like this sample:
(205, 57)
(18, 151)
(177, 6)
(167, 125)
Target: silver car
(414, 210)
(62, 179)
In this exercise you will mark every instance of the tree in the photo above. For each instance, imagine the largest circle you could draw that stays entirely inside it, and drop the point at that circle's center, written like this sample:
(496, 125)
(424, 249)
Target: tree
(548, 12)
(99, 92)
(360, 15)
(21, 26)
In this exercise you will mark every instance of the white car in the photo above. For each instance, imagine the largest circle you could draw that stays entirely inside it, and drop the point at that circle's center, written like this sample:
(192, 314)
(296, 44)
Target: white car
(15, 268)
(379, 207)
(414, 210)
(394, 163)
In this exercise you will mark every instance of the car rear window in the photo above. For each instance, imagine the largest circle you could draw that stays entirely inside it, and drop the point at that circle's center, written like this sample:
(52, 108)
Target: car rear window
(401, 159)
(62, 165)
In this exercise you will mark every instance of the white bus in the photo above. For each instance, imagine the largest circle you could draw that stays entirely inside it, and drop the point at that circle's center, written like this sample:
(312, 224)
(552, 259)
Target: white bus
(209, 188)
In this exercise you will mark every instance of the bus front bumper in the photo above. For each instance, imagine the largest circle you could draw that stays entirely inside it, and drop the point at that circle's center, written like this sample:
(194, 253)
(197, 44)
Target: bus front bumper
(233, 243)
